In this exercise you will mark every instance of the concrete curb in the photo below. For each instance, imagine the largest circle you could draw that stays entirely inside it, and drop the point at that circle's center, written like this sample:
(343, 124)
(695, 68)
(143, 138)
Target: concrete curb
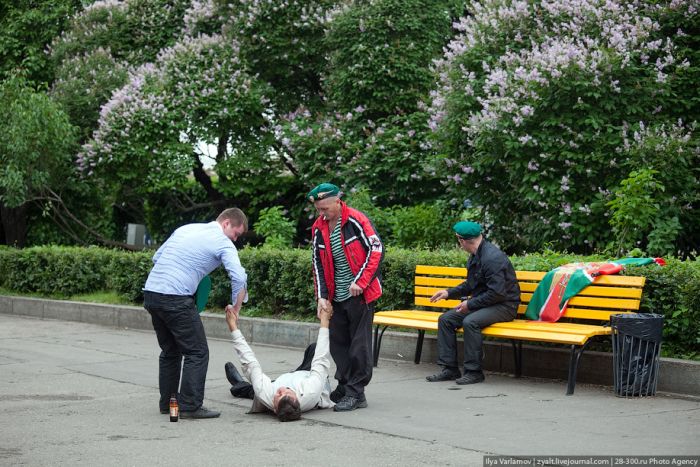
(676, 376)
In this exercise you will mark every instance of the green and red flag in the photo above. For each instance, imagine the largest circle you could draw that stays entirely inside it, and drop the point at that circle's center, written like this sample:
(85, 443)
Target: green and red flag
(558, 286)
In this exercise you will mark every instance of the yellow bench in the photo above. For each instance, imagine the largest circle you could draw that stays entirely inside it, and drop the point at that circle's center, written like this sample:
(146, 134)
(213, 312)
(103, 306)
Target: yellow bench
(587, 315)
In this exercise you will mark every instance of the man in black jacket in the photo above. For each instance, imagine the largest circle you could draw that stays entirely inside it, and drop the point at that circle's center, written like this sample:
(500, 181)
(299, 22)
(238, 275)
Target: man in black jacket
(490, 294)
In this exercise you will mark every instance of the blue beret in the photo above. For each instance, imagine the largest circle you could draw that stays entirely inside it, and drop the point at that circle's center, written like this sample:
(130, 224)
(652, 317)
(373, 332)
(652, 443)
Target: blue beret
(467, 230)
(324, 190)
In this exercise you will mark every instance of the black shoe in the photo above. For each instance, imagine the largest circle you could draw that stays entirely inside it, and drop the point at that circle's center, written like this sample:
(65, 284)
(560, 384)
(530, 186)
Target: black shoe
(164, 411)
(201, 412)
(471, 377)
(348, 403)
(338, 393)
(243, 390)
(445, 375)
(232, 374)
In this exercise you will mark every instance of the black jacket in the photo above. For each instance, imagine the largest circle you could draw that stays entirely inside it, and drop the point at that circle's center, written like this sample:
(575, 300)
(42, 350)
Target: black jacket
(490, 279)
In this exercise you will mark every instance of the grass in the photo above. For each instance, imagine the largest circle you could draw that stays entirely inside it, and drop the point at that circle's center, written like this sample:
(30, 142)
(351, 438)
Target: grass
(256, 312)
(102, 296)
(106, 297)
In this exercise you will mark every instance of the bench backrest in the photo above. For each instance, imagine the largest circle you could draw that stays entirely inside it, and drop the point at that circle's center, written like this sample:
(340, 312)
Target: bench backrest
(611, 294)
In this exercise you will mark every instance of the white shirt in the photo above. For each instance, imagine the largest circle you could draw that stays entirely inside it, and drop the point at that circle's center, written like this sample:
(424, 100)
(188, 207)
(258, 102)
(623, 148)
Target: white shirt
(311, 387)
(192, 252)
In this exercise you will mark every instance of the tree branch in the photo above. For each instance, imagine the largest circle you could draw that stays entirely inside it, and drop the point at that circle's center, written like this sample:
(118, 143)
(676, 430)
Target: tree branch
(104, 241)
(203, 179)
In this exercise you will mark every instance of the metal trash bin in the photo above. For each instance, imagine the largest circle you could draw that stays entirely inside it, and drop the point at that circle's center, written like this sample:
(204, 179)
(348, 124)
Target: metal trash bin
(636, 340)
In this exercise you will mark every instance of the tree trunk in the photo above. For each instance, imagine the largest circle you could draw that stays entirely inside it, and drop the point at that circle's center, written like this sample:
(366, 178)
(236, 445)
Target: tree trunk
(14, 223)
(203, 178)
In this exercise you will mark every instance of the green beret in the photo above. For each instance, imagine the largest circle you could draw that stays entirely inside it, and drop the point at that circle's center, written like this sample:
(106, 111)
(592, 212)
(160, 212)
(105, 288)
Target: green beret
(323, 191)
(467, 230)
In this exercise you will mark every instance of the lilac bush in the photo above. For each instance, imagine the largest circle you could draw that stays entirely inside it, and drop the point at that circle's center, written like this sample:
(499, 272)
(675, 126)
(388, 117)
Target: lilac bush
(101, 44)
(282, 41)
(371, 132)
(196, 91)
(387, 157)
(532, 106)
(133, 30)
(84, 82)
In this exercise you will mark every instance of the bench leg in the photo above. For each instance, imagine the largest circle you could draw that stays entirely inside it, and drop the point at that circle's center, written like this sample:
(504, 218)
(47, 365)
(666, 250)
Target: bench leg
(419, 347)
(377, 343)
(573, 367)
(518, 355)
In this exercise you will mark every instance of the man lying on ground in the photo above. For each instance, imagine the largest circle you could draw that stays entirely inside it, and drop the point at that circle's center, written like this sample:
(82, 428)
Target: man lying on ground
(291, 393)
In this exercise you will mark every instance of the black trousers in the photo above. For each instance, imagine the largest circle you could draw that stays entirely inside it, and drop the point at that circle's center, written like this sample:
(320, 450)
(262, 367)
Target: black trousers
(350, 334)
(180, 334)
(472, 323)
(245, 390)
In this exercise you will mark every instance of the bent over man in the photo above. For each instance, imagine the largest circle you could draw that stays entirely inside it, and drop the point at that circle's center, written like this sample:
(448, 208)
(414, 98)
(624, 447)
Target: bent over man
(490, 294)
(347, 254)
(191, 252)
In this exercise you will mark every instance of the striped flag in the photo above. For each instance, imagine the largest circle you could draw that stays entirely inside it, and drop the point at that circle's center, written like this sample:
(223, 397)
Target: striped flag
(558, 286)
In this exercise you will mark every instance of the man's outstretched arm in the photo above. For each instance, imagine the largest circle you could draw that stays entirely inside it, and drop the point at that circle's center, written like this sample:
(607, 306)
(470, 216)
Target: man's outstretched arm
(321, 363)
(251, 367)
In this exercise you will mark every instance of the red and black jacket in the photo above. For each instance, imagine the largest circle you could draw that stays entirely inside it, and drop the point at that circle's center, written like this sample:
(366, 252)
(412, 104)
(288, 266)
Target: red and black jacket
(363, 249)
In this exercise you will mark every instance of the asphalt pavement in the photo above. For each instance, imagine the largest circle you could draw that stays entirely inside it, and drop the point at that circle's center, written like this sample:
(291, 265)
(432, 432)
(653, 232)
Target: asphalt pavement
(82, 394)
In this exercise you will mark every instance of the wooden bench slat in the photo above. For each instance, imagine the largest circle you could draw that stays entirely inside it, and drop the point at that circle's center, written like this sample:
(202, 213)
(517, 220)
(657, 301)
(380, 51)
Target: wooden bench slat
(610, 303)
(441, 270)
(603, 316)
(571, 312)
(590, 291)
(406, 323)
(414, 314)
(432, 317)
(537, 336)
(425, 301)
(629, 281)
(441, 282)
(562, 327)
(585, 313)
(523, 333)
(528, 276)
(532, 276)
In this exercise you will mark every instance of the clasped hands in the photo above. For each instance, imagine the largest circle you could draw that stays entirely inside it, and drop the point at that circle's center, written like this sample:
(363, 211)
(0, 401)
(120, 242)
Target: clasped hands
(325, 305)
(442, 295)
(232, 312)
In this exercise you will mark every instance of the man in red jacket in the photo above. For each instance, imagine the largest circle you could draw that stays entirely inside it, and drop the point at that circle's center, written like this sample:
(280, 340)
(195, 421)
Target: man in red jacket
(347, 254)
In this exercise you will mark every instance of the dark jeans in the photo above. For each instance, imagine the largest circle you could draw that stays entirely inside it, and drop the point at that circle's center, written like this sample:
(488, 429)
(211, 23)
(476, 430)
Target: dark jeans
(180, 333)
(350, 334)
(472, 323)
(245, 390)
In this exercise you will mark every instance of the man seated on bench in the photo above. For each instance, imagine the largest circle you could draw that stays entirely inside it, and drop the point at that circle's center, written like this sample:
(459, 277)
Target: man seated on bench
(492, 295)
(291, 393)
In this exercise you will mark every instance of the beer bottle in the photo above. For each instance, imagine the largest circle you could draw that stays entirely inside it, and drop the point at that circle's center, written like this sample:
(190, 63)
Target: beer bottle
(174, 409)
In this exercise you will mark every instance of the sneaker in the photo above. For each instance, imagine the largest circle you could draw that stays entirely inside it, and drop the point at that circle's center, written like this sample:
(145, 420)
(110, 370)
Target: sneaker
(471, 377)
(201, 412)
(338, 393)
(348, 403)
(446, 374)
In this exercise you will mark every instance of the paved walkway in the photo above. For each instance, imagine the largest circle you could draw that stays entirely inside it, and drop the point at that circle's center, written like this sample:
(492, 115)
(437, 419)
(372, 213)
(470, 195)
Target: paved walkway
(81, 394)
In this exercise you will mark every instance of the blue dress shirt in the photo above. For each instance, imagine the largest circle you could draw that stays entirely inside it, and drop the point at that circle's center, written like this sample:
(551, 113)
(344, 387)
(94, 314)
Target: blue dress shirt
(192, 252)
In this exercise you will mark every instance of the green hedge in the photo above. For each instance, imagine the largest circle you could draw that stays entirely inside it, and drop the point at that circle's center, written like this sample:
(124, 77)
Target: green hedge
(280, 282)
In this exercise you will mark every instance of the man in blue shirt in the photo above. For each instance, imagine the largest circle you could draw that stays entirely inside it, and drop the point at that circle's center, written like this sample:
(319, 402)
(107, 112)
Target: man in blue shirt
(191, 252)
